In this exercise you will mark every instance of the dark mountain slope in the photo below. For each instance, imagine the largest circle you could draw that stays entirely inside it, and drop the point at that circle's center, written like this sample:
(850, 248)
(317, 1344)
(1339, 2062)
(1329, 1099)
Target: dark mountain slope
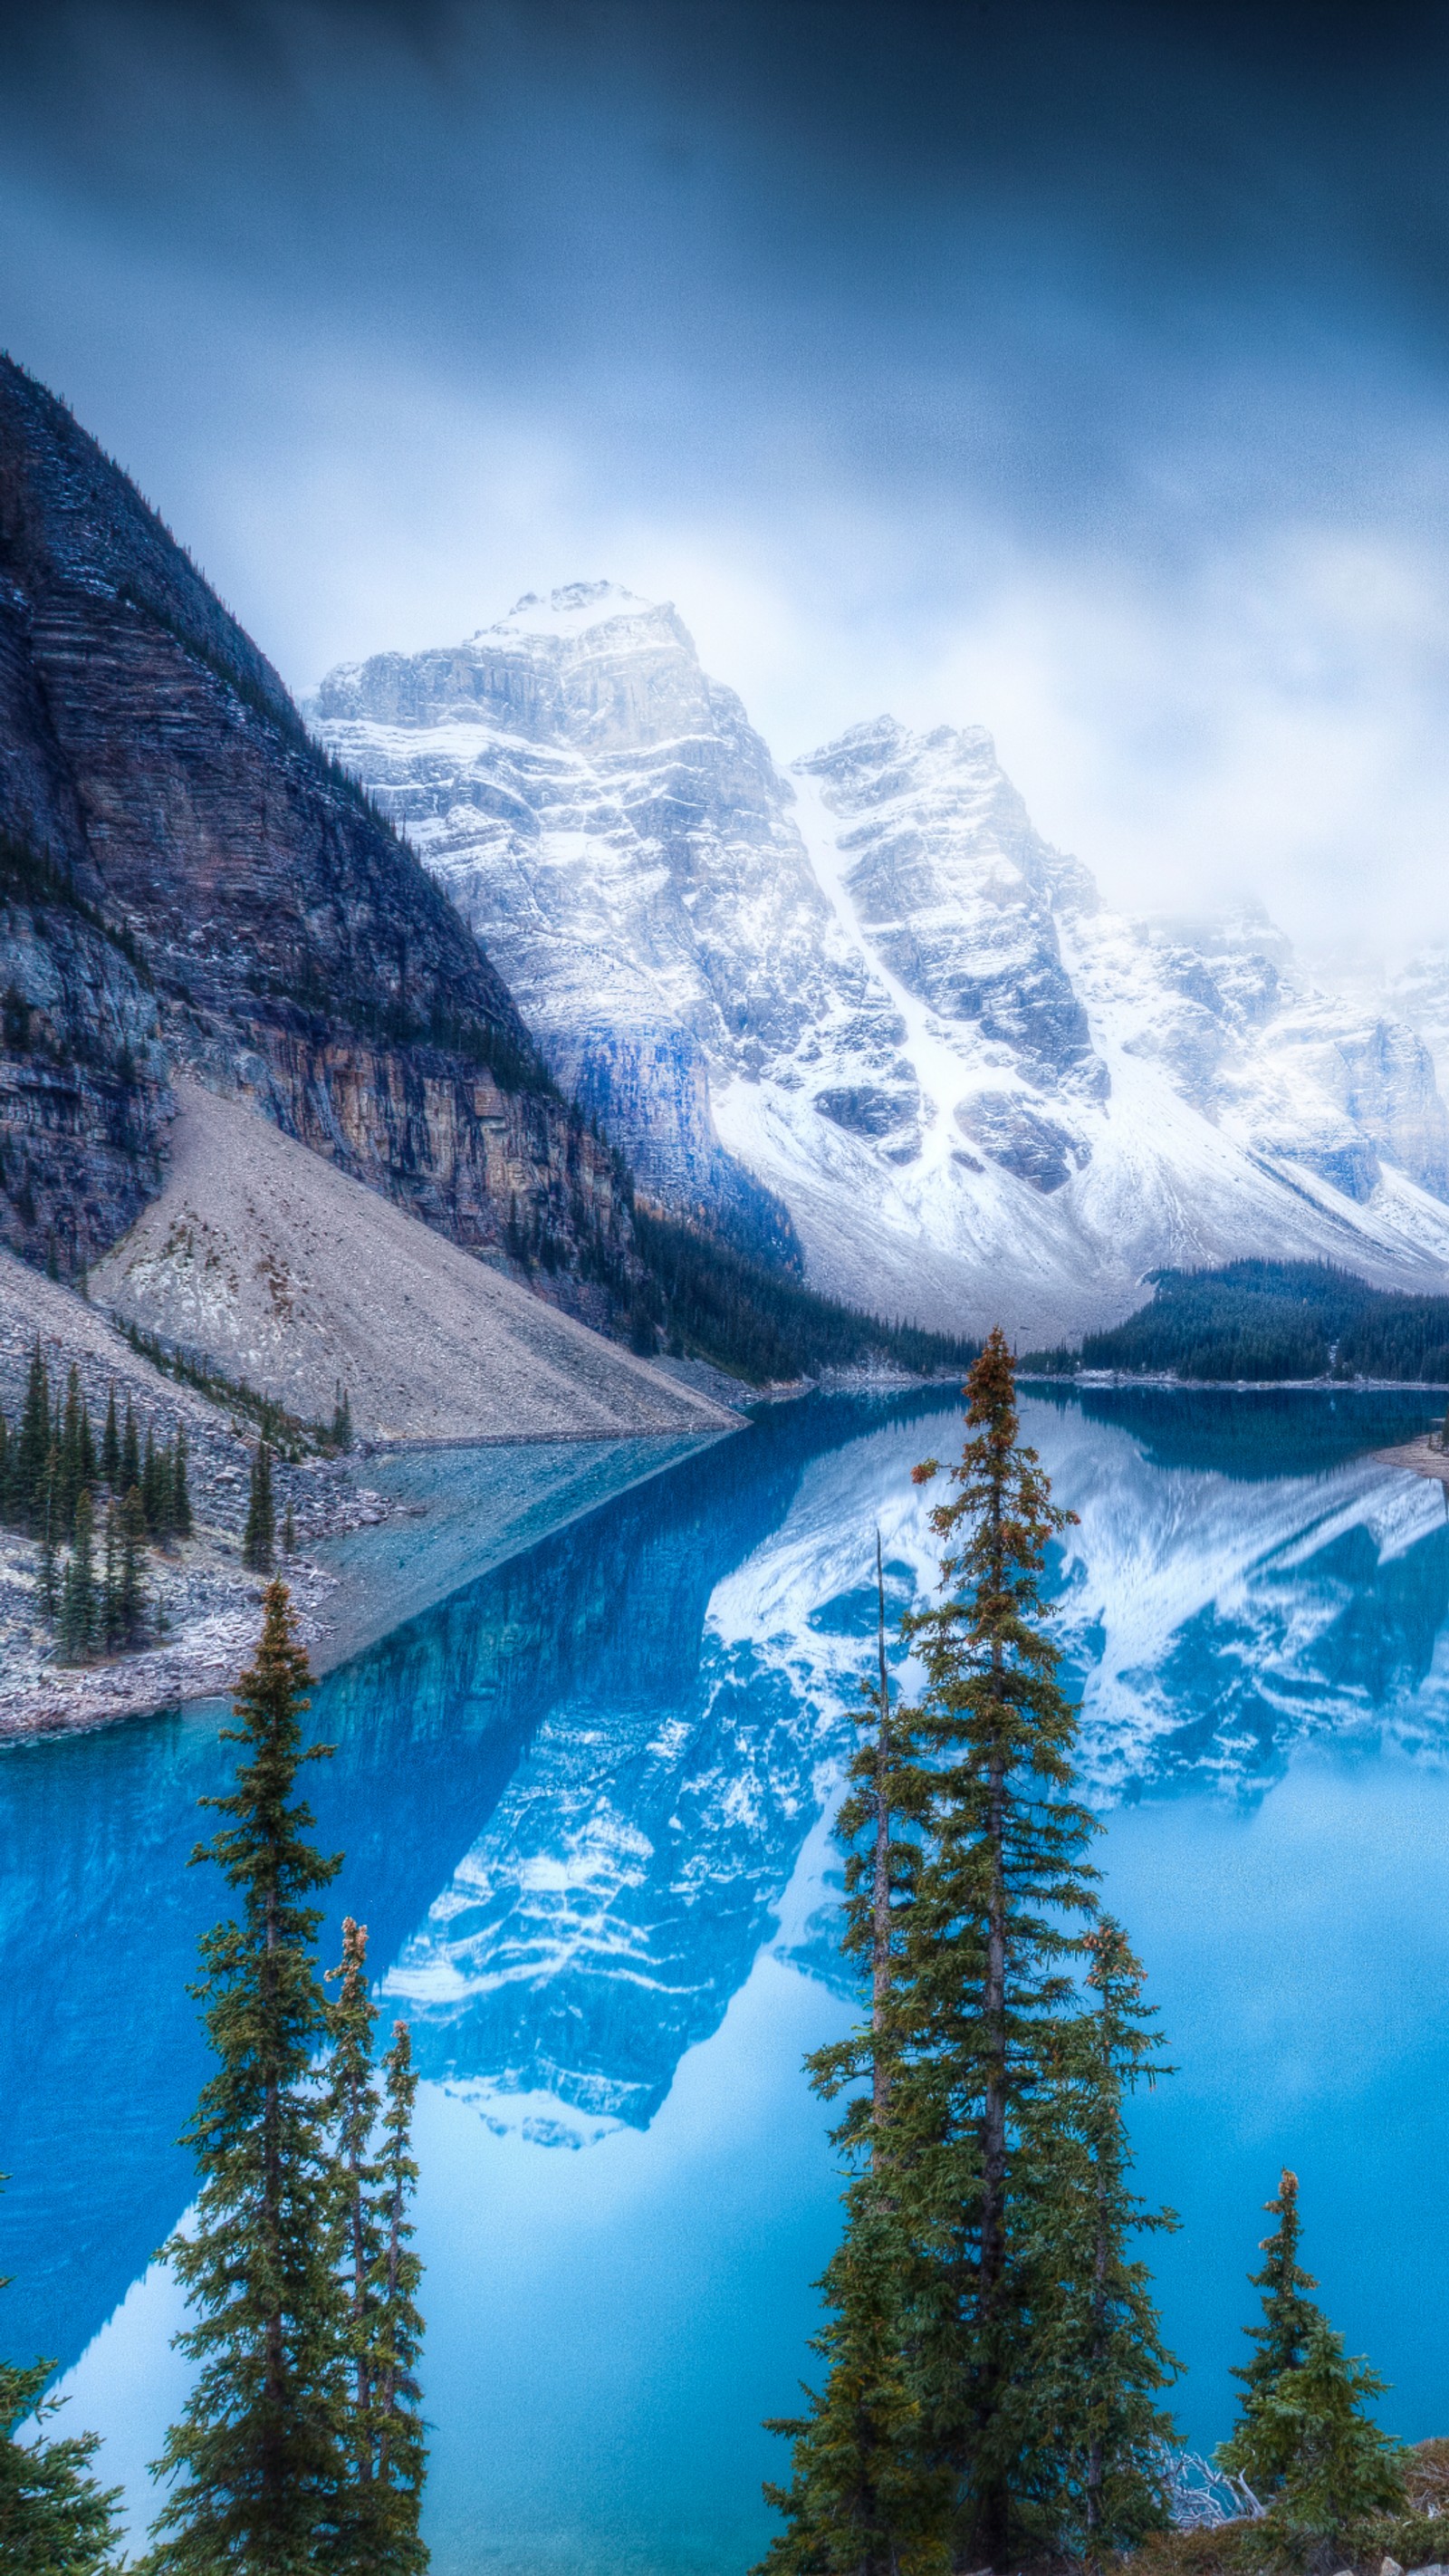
(215, 888)
(1264, 1320)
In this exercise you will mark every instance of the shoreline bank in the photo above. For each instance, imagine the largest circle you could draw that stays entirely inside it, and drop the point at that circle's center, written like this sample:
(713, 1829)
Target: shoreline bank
(378, 1554)
(1422, 1457)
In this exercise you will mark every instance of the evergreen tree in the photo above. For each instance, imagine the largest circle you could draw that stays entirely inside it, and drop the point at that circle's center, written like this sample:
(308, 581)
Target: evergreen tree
(990, 1937)
(259, 1537)
(7, 1511)
(397, 2328)
(131, 1586)
(80, 1608)
(54, 2518)
(1259, 2449)
(111, 1582)
(154, 1483)
(130, 1452)
(72, 1477)
(48, 1585)
(994, 2354)
(1339, 2469)
(289, 1530)
(258, 2460)
(342, 1419)
(1096, 2350)
(378, 2521)
(867, 2497)
(34, 1442)
(86, 1447)
(352, 2114)
(111, 1445)
(180, 1486)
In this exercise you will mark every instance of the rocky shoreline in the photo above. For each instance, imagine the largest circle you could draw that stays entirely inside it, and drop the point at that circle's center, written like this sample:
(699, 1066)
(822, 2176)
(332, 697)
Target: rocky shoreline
(1422, 1457)
(211, 1607)
(207, 1600)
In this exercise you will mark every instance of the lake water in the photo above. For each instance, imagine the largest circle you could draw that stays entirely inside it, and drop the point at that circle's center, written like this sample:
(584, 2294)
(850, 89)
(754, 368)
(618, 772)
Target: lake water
(582, 1798)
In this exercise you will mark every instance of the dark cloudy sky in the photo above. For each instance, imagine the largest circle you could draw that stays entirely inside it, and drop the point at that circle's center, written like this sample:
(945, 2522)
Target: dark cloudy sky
(1078, 369)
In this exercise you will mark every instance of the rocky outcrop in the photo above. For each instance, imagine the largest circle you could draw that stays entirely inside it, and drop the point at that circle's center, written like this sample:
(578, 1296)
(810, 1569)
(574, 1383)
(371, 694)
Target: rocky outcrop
(278, 937)
(876, 988)
(82, 1071)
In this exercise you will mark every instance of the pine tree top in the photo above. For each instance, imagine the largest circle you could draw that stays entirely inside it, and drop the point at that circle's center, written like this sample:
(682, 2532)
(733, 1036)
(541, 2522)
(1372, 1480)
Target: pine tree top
(263, 1850)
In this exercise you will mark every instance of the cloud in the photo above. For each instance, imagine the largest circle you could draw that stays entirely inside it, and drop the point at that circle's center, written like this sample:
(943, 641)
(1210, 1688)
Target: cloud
(1076, 369)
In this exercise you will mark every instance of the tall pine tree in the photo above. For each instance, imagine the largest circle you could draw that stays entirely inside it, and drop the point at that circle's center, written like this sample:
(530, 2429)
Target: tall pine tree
(1260, 2446)
(994, 2354)
(111, 1445)
(34, 1442)
(397, 2328)
(352, 2114)
(383, 2498)
(130, 1451)
(1002, 1883)
(80, 1602)
(131, 1580)
(180, 1486)
(258, 2461)
(259, 1536)
(867, 2497)
(1289, 2315)
(48, 1584)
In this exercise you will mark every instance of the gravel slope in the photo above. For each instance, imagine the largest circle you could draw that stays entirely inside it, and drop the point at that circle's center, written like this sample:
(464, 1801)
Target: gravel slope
(294, 1277)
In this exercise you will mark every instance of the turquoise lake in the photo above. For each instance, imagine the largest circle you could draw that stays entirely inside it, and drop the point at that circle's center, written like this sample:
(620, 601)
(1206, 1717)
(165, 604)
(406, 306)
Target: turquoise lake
(584, 1796)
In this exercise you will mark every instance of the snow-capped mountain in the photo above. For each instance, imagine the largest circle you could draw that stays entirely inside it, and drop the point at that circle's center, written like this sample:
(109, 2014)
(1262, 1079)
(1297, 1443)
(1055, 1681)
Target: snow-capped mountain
(874, 988)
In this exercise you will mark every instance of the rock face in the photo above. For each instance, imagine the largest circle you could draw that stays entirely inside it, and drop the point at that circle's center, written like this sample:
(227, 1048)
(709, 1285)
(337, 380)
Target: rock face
(878, 991)
(590, 799)
(190, 881)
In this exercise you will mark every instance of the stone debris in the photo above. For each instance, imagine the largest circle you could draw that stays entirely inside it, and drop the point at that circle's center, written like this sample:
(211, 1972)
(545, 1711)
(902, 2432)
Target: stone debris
(210, 1602)
(294, 1279)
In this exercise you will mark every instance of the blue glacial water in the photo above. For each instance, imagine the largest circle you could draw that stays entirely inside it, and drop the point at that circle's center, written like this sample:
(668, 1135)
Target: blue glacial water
(583, 1797)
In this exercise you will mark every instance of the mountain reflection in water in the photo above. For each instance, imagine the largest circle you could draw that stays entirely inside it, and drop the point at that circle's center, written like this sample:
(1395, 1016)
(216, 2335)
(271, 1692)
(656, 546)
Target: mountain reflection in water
(573, 1795)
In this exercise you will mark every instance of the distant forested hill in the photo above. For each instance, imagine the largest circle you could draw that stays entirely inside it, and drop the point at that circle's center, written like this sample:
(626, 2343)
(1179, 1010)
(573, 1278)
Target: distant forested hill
(1269, 1319)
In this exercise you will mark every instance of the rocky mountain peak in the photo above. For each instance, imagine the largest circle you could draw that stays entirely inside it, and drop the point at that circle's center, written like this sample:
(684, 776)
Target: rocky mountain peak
(574, 610)
(885, 995)
(591, 665)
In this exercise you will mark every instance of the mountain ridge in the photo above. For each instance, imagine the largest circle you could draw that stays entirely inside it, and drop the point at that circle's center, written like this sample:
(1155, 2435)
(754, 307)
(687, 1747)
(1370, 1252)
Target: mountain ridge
(878, 991)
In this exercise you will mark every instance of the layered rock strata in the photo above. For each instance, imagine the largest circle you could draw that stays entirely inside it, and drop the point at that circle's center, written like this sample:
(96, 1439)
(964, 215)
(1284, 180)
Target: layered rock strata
(223, 898)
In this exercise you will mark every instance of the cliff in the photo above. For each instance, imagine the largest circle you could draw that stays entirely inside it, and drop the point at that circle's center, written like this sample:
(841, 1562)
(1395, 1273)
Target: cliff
(190, 881)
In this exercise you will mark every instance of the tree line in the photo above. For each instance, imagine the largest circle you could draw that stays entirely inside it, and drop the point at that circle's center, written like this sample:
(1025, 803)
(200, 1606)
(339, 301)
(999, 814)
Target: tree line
(95, 1507)
(705, 1299)
(1269, 1320)
(301, 2443)
(994, 2360)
